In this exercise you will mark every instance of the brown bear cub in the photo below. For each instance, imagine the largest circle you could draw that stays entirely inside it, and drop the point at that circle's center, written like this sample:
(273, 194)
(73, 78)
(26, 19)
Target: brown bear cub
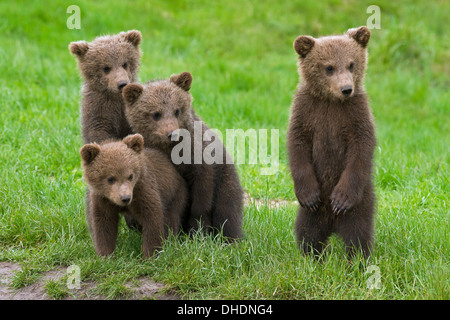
(107, 64)
(123, 177)
(331, 141)
(157, 110)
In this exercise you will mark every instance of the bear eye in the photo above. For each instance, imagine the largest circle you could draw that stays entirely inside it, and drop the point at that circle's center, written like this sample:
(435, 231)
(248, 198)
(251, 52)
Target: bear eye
(329, 70)
(125, 65)
(106, 70)
(351, 66)
(156, 116)
(130, 177)
(177, 113)
(111, 180)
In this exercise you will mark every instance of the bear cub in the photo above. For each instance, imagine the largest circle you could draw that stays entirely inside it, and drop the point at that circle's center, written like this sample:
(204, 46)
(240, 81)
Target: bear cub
(157, 110)
(107, 64)
(123, 177)
(331, 141)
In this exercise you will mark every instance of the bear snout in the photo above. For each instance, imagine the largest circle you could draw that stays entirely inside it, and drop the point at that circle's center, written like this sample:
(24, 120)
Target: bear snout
(121, 85)
(169, 128)
(125, 199)
(347, 90)
(123, 194)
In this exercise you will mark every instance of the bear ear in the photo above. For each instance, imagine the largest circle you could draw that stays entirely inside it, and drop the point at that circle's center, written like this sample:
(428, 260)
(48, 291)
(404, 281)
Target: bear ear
(361, 35)
(79, 48)
(183, 80)
(89, 152)
(135, 142)
(131, 92)
(133, 36)
(303, 45)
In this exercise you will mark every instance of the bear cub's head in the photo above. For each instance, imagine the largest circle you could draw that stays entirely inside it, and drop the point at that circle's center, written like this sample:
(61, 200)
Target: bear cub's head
(158, 108)
(109, 62)
(112, 169)
(333, 67)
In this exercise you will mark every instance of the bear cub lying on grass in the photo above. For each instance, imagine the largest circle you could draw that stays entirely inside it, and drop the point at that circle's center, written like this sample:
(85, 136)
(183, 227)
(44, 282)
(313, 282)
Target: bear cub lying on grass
(157, 110)
(331, 140)
(122, 176)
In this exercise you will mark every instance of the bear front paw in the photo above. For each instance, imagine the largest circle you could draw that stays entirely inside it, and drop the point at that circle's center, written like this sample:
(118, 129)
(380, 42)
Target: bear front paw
(342, 201)
(309, 200)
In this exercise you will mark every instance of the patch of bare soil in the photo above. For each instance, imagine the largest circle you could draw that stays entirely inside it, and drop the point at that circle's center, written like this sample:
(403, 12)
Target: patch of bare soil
(271, 203)
(144, 288)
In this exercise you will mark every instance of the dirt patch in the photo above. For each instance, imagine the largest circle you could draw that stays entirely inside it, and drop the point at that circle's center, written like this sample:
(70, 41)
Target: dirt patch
(271, 203)
(6, 272)
(144, 288)
(149, 289)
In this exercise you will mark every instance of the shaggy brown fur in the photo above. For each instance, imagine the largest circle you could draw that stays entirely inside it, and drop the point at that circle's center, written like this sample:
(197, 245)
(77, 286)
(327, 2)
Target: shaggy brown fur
(107, 64)
(124, 177)
(331, 140)
(156, 110)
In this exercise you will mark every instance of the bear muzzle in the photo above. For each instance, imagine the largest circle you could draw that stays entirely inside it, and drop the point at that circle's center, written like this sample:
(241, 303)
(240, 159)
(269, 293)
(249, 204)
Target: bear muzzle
(121, 85)
(170, 129)
(125, 199)
(121, 193)
(347, 90)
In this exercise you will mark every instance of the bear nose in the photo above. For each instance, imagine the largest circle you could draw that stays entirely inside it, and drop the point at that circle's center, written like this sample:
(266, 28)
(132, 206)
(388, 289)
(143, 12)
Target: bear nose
(346, 90)
(125, 199)
(121, 84)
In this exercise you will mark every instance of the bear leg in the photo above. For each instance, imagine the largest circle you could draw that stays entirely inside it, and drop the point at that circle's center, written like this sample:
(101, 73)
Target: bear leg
(148, 212)
(176, 211)
(104, 220)
(356, 228)
(228, 203)
(312, 229)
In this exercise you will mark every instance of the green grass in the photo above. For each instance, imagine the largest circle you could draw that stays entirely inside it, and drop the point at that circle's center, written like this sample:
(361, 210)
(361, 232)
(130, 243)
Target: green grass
(244, 67)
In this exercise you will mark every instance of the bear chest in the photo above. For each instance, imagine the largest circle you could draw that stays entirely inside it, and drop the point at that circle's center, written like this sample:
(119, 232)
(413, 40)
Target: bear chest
(330, 138)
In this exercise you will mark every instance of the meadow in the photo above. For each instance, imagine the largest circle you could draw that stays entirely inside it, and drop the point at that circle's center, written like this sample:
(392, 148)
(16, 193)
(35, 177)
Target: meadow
(245, 74)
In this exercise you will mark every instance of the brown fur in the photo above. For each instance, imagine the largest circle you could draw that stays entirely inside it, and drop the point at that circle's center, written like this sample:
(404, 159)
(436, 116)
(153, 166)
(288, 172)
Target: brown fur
(331, 140)
(158, 108)
(107, 64)
(102, 106)
(123, 177)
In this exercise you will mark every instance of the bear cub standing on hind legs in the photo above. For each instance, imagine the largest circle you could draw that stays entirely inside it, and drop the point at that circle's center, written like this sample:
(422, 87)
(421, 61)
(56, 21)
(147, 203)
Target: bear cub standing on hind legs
(107, 64)
(157, 110)
(123, 177)
(331, 140)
